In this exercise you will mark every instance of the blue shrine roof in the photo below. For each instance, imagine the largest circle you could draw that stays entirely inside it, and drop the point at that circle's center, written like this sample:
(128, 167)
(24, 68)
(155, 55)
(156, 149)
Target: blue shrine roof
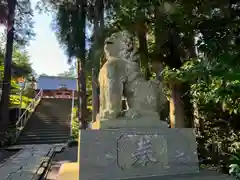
(56, 82)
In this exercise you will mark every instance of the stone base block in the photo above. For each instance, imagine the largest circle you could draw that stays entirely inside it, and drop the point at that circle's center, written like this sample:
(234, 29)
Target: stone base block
(136, 153)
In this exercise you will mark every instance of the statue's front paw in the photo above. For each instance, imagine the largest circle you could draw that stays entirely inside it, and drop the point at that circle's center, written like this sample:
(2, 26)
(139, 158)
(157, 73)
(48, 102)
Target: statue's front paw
(154, 82)
(132, 114)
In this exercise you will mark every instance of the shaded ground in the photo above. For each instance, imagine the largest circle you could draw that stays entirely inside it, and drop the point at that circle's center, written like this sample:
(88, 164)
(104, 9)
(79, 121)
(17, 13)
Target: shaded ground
(68, 155)
(4, 154)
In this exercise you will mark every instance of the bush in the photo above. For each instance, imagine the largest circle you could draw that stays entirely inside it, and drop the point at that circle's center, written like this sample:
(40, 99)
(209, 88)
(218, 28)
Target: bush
(9, 138)
(75, 123)
(234, 168)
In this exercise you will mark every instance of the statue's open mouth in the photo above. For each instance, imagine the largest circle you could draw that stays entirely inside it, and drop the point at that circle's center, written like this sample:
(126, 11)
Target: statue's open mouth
(135, 56)
(108, 42)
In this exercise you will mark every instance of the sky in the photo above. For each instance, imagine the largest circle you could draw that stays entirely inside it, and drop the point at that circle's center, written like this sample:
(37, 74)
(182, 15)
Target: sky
(45, 53)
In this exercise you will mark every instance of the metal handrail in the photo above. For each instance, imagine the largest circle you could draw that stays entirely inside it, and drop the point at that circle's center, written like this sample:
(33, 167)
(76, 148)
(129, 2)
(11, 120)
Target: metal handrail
(20, 124)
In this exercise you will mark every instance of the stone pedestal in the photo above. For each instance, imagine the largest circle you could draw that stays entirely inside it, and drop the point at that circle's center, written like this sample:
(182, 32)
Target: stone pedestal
(139, 149)
(125, 149)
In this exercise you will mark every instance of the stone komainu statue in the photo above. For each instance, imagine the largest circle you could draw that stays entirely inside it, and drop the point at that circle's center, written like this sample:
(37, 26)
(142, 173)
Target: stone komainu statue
(121, 76)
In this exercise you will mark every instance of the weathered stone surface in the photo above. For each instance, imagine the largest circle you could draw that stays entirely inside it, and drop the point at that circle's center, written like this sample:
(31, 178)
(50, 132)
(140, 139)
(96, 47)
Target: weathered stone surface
(25, 164)
(124, 122)
(121, 76)
(109, 154)
(21, 176)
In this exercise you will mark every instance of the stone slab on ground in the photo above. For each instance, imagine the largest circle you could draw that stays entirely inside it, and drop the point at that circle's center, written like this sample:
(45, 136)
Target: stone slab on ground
(24, 165)
(135, 153)
(4, 154)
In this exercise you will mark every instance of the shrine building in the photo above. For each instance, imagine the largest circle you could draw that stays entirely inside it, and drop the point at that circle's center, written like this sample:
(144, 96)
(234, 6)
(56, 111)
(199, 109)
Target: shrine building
(57, 87)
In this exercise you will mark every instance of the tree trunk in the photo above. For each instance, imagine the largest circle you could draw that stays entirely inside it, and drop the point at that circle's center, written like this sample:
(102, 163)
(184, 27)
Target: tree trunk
(164, 113)
(98, 43)
(176, 108)
(187, 97)
(78, 90)
(83, 92)
(94, 60)
(143, 49)
(82, 102)
(7, 63)
(157, 32)
(95, 98)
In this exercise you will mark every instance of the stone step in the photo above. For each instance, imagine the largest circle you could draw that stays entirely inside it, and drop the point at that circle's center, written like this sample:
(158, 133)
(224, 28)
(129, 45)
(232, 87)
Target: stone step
(24, 138)
(39, 119)
(47, 127)
(51, 118)
(45, 136)
(48, 136)
(46, 131)
(38, 114)
(49, 124)
(32, 130)
(43, 141)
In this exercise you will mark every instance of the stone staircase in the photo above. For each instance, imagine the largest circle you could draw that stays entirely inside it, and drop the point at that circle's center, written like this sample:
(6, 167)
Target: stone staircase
(49, 124)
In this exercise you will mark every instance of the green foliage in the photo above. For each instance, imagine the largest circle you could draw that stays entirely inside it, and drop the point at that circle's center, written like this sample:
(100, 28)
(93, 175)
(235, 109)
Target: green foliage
(211, 83)
(23, 21)
(71, 72)
(22, 63)
(75, 125)
(15, 101)
(234, 168)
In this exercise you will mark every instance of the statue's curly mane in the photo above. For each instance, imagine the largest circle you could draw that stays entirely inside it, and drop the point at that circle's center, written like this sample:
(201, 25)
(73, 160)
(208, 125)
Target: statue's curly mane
(122, 41)
(121, 75)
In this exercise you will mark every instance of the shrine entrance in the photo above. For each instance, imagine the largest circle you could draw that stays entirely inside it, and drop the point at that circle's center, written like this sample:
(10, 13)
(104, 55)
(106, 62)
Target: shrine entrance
(61, 93)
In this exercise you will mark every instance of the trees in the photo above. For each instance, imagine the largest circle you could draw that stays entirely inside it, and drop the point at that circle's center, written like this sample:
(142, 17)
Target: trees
(22, 64)
(7, 63)
(71, 72)
(18, 28)
(70, 27)
(20, 67)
